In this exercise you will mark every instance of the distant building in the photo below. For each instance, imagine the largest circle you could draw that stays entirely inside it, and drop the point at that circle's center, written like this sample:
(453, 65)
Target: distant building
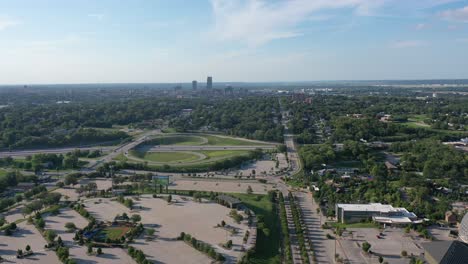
(229, 201)
(446, 252)
(209, 82)
(228, 90)
(380, 213)
(390, 166)
(386, 118)
(194, 85)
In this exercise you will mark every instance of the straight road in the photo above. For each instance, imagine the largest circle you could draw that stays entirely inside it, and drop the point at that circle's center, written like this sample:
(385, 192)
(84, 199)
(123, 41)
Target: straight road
(323, 247)
(24, 153)
(198, 148)
(294, 161)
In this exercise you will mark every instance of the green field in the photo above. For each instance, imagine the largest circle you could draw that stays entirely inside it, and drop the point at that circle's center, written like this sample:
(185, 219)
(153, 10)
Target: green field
(115, 232)
(186, 140)
(222, 153)
(417, 121)
(267, 249)
(166, 156)
(3, 173)
(222, 141)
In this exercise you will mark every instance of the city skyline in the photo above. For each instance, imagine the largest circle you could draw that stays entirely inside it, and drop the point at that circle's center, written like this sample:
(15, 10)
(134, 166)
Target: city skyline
(236, 41)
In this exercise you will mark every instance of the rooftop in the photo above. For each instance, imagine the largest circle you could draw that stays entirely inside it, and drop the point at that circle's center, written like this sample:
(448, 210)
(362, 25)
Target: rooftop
(229, 199)
(447, 252)
(377, 207)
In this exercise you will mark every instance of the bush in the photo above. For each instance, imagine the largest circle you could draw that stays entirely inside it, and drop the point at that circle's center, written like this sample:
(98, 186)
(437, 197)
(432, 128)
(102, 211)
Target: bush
(366, 246)
(70, 226)
(404, 253)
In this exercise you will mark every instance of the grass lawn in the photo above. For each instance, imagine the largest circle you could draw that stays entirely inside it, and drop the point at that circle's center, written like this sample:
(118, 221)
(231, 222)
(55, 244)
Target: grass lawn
(417, 121)
(222, 141)
(169, 130)
(178, 140)
(267, 249)
(3, 173)
(116, 232)
(166, 156)
(223, 153)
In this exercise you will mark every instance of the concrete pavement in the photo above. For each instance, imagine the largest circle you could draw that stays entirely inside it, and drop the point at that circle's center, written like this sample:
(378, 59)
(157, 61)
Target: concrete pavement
(24, 153)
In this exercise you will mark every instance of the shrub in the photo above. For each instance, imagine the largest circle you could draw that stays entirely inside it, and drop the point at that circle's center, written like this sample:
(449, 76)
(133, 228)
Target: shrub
(366, 246)
(70, 226)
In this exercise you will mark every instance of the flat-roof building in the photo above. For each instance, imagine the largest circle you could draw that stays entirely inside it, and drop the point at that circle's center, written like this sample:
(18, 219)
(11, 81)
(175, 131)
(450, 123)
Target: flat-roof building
(229, 201)
(381, 213)
(209, 82)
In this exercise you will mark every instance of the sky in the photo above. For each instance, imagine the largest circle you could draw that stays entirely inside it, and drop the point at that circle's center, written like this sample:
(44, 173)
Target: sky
(110, 41)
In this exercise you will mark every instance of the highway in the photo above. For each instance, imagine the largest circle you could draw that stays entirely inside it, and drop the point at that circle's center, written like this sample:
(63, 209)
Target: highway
(24, 153)
(123, 149)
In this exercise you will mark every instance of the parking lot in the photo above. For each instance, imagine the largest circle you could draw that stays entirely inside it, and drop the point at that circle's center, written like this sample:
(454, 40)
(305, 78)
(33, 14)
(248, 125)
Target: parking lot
(169, 220)
(389, 245)
(26, 235)
(220, 186)
(77, 252)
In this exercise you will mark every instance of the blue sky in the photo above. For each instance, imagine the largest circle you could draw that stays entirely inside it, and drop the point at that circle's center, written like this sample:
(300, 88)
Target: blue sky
(89, 41)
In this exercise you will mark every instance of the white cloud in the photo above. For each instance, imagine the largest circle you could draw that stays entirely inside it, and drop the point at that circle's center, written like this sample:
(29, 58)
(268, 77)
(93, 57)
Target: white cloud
(98, 16)
(460, 14)
(256, 22)
(408, 44)
(7, 22)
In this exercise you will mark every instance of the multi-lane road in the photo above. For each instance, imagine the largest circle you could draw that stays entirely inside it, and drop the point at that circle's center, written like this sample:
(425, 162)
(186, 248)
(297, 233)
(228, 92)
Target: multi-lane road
(24, 153)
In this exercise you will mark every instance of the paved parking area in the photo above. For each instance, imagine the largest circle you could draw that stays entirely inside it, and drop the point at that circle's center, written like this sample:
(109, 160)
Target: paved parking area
(389, 247)
(13, 214)
(26, 235)
(169, 220)
(220, 186)
(77, 252)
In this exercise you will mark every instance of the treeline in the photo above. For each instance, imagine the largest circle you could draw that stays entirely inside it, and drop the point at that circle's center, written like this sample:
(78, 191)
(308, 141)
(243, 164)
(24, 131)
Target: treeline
(38, 162)
(11, 179)
(12, 138)
(252, 118)
(335, 115)
(434, 159)
(24, 126)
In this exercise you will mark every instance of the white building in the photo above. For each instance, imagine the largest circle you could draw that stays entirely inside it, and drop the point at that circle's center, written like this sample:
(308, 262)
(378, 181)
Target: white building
(380, 213)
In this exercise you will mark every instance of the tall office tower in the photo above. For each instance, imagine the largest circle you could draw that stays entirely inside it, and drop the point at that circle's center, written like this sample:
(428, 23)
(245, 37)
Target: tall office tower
(194, 85)
(209, 82)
